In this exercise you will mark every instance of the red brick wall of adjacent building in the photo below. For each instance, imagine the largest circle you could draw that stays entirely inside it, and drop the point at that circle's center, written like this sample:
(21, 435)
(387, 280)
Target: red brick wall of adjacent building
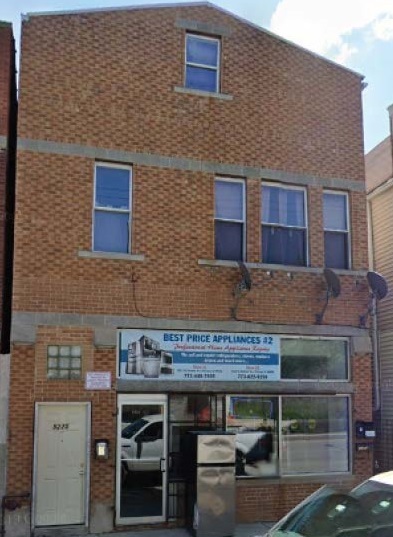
(107, 80)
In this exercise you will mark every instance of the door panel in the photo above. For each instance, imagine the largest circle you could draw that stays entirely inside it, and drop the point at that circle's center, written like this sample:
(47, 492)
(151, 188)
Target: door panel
(141, 461)
(61, 453)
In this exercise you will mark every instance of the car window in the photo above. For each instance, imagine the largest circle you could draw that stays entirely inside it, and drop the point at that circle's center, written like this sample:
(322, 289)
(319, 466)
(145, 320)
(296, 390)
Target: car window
(133, 428)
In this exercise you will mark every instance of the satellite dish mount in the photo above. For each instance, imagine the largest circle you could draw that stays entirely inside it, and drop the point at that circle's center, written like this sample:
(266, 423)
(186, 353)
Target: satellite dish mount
(333, 289)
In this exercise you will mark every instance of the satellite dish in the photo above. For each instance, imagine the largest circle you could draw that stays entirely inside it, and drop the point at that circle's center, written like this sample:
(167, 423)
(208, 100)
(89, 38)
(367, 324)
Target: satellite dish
(333, 288)
(242, 287)
(332, 282)
(379, 289)
(245, 283)
(377, 284)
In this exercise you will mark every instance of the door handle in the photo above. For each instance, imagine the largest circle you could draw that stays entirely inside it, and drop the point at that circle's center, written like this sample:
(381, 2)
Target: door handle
(162, 464)
(81, 472)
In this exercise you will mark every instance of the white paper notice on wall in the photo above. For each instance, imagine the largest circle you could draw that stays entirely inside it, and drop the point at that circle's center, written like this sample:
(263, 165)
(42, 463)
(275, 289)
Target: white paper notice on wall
(98, 380)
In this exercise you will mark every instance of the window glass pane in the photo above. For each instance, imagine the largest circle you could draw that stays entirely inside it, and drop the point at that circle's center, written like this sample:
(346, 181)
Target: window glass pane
(283, 206)
(228, 241)
(314, 359)
(201, 79)
(112, 187)
(293, 201)
(283, 246)
(336, 250)
(270, 205)
(110, 232)
(229, 200)
(335, 212)
(254, 420)
(202, 51)
(315, 435)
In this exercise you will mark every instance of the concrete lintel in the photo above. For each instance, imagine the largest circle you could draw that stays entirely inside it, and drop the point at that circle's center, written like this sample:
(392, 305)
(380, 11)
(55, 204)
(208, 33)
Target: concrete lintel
(25, 324)
(105, 337)
(282, 387)
(361, 344)
(185, 164)
(110, 255)
(203, 27)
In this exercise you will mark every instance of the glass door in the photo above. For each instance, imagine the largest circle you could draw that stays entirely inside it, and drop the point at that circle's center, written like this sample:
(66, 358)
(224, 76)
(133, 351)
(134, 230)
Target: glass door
(141, 459)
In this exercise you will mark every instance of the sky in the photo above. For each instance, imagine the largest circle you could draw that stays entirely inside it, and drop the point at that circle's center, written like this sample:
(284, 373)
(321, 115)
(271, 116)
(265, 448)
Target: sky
(355, 33)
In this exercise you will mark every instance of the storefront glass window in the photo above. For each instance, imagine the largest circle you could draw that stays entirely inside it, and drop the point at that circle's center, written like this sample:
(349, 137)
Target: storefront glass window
(315, 435)
(254, 420)
(314, 359)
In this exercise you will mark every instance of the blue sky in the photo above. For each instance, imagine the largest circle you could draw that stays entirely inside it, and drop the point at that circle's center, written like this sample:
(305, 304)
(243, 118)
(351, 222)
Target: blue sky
(354, 33)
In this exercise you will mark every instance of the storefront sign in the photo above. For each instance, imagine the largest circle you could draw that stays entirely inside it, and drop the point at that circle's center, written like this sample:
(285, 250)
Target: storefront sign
(98, 380)
(207, 356)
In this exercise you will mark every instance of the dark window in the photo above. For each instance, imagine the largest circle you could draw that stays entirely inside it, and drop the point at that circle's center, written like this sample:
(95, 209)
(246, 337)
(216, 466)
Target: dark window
(284, 232)
(336, 230)
(202, 63)
(112, 212)
(229, 219)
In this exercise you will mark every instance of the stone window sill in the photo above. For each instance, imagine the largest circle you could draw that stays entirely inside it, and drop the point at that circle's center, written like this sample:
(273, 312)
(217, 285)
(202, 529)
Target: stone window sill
(222, 96)
(278, 268)
(110, 255)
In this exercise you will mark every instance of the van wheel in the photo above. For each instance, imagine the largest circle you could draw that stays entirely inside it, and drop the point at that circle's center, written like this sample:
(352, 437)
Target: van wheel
(240, 463)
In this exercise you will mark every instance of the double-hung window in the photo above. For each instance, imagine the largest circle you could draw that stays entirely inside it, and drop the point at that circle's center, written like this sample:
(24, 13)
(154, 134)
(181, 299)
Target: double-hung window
(229, 219)
(284, 225)
(112, 209)
(202, 63)
(336, 229)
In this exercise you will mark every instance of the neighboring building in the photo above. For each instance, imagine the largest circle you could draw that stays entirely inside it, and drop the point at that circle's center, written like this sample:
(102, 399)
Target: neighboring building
(158, 148)
(379, 181)
(8, 111)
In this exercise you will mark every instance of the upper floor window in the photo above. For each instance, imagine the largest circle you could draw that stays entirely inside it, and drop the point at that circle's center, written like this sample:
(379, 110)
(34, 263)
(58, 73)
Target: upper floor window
(284, 225)
(336, 229)
(202, 63)
(112, 208)
(229, 219)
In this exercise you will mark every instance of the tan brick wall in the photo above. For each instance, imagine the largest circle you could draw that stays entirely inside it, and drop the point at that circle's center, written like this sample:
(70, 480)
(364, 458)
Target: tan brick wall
(106, 80)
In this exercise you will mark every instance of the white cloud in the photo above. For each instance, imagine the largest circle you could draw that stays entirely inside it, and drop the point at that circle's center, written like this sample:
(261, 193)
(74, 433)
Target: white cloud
(383, 28)
(326, 26)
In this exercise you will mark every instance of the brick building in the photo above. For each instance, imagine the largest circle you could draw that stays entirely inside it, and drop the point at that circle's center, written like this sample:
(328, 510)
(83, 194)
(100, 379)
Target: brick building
(158, 150)
(379, 175)
(8, 111)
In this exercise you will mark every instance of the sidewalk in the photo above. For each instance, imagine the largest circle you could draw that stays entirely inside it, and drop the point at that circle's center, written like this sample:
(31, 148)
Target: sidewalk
(257, 529)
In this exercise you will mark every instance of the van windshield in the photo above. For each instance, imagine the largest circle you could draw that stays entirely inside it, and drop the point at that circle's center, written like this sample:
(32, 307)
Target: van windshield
(366, 511)
(133, 428)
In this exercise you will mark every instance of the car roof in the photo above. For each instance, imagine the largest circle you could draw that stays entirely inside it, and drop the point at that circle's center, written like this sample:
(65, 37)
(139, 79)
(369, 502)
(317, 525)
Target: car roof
(386, 478)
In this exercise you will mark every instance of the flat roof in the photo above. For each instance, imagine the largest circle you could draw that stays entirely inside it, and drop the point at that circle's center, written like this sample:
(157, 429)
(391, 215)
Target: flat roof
(189, 4)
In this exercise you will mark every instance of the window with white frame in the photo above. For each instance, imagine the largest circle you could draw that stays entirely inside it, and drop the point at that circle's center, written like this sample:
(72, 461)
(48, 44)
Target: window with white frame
(284, 225)
(336, 229)
(202, 63)
(229, 219)
(112, 208)
(314, 359)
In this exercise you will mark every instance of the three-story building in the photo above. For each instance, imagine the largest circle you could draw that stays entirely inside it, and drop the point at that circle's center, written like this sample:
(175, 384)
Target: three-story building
(184, 177)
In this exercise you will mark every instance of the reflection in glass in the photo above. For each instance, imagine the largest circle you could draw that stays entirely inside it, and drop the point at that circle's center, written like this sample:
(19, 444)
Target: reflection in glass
(315, 435)
(254, 419)
(142, 449)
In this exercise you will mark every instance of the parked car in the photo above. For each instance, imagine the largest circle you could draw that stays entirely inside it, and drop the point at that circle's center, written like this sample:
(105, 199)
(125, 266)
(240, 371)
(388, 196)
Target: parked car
(365, 511)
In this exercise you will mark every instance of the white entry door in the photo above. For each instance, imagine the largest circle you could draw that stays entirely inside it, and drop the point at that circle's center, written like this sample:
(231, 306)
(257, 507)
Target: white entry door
(61, 464)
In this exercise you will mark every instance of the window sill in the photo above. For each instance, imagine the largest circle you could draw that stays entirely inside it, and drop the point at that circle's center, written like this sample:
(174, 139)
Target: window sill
(110, 255)
(278, 268)
(201, 93)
